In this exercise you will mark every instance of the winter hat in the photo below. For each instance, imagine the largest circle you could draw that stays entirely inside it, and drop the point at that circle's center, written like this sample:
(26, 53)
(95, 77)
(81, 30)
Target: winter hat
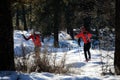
(82, 29)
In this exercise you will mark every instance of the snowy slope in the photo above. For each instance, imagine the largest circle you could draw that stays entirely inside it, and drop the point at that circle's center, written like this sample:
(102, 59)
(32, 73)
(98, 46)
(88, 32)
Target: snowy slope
(75, 59)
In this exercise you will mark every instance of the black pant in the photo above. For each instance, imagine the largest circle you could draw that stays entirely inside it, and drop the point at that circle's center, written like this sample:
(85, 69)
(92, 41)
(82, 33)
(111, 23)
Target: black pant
(87, 51)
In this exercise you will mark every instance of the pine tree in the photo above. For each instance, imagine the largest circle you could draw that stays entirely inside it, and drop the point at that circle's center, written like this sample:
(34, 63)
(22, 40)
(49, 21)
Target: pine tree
(117, 42)
(6, 37)
(56, 21)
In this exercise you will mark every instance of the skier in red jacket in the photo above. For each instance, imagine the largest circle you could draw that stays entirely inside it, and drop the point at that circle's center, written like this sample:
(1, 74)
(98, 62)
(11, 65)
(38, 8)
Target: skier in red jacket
(85, 35)
(36, 40)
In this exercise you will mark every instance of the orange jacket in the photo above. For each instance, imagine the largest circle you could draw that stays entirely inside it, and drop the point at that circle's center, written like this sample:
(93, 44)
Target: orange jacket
(35, 38)
(85, 37)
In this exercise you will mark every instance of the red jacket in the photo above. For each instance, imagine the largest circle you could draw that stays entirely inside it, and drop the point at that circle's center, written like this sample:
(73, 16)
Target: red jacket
(85, 37)
(35, 38)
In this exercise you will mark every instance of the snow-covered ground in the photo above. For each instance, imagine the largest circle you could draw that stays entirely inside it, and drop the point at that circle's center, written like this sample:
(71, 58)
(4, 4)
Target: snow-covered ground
(82, 70)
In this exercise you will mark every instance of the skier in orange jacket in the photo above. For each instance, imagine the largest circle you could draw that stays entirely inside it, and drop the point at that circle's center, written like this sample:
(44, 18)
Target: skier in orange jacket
(86, 37)
(36, 40)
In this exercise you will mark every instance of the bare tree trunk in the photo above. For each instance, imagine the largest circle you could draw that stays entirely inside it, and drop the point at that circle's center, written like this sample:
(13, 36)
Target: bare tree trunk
(87, 22)
(24, 17)
(6, 37)
(117, 42)
(17, 18)
(30, 16)
(56, 21)
(69, 19)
